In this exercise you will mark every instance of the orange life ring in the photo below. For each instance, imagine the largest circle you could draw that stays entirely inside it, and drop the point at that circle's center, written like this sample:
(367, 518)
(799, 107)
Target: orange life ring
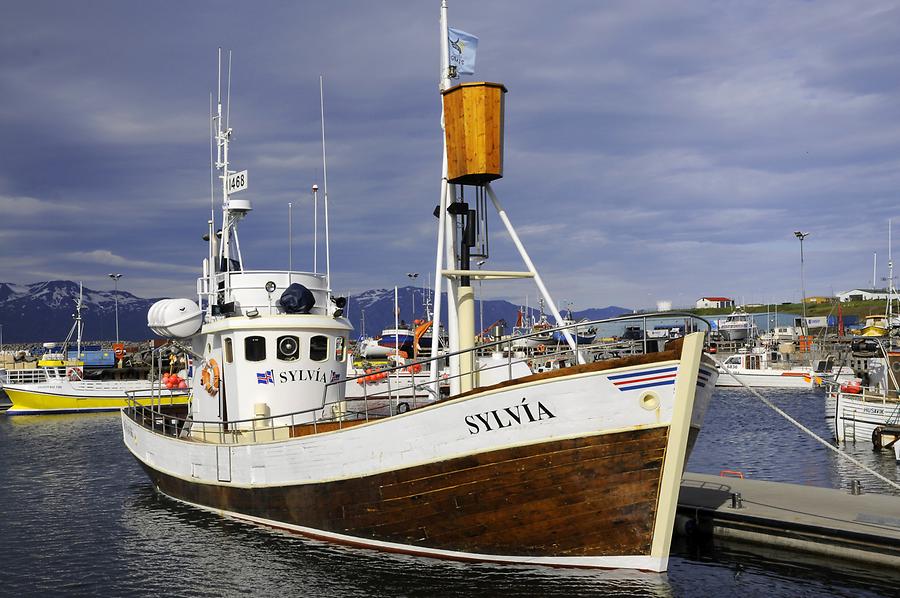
(210, 377)
(75, 375)
(541, 348)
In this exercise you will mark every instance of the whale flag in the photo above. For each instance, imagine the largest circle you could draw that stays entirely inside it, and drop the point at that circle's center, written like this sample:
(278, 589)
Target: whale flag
(462, 51)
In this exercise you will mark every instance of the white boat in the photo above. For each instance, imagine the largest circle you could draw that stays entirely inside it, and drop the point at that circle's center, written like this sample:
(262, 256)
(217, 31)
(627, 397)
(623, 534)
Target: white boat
(763, 368)
(58, 384)
(737, 326)
(576, 467)
(854, 409)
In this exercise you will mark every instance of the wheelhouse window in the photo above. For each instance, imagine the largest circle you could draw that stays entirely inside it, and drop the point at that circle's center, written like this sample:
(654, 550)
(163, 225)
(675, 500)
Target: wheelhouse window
(229, 351)
(288, 348)
(255, 348)
(318, 348)
(339, 343)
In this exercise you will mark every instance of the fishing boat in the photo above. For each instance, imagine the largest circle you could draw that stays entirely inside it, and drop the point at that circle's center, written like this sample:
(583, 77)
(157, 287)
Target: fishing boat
(583, 332)
(855, 408)
(764, 368)
(737, 326)
(578, 467)
(60, 383)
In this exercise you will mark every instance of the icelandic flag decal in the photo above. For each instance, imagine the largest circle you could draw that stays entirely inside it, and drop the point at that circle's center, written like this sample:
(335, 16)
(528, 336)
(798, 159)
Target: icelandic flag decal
(645, 378)
(267, 377)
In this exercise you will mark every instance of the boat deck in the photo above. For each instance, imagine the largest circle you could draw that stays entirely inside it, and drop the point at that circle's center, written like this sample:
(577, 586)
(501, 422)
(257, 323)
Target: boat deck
(863, 527)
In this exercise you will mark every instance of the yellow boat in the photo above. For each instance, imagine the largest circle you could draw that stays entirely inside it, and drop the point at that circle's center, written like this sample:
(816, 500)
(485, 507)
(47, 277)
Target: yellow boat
(58, 389)
(876, 325)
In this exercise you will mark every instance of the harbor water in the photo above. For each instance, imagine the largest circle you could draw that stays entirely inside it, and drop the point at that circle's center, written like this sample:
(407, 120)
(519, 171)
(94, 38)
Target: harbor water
(80, 518)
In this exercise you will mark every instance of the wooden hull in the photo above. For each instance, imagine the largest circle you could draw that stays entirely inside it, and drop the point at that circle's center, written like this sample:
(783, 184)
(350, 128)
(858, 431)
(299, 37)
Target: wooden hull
(535, 501)
(587, 477)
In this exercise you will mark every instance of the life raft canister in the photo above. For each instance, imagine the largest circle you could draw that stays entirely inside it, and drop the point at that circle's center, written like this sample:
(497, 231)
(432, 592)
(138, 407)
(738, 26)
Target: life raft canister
(210, 377)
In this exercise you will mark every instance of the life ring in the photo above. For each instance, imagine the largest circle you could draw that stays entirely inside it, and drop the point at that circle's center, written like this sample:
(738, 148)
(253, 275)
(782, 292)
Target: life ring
(541, 348)
(74, 375)
(210, 377)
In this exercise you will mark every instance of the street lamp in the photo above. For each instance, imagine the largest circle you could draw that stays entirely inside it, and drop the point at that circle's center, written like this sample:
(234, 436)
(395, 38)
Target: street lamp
(116, 278)
(801, 236)
(412, 278)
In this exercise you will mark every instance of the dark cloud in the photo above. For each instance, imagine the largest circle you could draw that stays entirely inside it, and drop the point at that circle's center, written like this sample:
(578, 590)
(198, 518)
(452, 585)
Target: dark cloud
(653, 151)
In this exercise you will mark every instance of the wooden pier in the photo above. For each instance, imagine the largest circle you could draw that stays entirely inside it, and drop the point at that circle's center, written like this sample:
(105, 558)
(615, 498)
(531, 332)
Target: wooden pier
(841, 524)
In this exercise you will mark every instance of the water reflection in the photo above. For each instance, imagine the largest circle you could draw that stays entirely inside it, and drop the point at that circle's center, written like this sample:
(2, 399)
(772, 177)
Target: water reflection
(80, 517)
(743, 434)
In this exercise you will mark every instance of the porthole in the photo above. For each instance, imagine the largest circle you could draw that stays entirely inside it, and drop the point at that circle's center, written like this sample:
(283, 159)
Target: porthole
(255, 348)
(288, 348)
(318, 348)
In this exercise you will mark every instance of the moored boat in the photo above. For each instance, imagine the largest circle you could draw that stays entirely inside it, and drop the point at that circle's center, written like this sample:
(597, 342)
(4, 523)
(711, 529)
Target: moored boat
(578, 466)
(60, 384)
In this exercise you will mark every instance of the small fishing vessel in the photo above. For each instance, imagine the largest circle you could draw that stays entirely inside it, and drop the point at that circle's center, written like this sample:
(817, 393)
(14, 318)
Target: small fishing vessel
(764, 368)
(579, 466)
(60, 384)
(583, 332)
(737, 326)
(854, 409)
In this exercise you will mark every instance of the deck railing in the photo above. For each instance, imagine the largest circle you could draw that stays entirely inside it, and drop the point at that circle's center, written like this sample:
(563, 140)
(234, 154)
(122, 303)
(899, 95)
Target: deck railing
(406, 391)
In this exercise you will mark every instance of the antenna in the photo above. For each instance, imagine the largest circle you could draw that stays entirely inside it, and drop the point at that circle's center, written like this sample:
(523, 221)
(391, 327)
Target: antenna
(228, 96)
(325, 185)
(315, 192)
(290, 236)
(212, 168)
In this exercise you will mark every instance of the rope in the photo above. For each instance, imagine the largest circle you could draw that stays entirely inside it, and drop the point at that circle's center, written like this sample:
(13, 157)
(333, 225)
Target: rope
(803, 428)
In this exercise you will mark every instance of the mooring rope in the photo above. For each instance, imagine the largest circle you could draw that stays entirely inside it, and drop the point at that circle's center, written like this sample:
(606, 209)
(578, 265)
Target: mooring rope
(812, 434)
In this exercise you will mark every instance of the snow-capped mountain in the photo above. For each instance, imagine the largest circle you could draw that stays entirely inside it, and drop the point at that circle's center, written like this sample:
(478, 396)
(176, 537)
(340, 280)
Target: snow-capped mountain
(378, 307)
(42, 312)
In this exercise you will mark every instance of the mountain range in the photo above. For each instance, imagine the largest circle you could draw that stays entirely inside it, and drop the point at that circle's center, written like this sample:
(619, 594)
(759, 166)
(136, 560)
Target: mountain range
(43, 312)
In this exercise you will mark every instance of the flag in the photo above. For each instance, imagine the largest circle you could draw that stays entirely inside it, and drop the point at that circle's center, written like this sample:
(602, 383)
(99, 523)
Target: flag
(266, 377)
(462, 51)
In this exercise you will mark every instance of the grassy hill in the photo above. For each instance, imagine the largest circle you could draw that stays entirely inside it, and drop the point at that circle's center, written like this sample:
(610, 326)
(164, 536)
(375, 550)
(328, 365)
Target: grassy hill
(855, 308)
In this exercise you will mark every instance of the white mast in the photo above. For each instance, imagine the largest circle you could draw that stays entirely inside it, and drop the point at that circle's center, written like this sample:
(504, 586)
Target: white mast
(325, 185)
(443, 223)
(315, 192)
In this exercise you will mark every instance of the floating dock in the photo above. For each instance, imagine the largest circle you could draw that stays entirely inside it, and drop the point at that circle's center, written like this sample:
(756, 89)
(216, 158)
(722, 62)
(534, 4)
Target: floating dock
(835, 523)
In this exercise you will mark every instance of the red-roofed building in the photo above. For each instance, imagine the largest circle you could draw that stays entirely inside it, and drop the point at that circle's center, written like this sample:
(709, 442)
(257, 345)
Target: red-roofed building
(714, 302)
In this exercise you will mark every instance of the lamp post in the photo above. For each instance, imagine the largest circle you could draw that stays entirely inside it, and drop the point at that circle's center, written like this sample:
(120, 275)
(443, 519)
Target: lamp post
(116, 278)
(412, 278)
(801, 236)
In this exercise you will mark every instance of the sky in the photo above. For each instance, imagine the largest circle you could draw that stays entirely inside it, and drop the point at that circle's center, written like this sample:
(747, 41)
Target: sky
(654, 150)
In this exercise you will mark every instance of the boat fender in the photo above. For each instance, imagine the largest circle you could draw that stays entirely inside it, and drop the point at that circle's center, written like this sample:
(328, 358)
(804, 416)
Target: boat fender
(852, 387)
(210, 377)
(297, 299)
